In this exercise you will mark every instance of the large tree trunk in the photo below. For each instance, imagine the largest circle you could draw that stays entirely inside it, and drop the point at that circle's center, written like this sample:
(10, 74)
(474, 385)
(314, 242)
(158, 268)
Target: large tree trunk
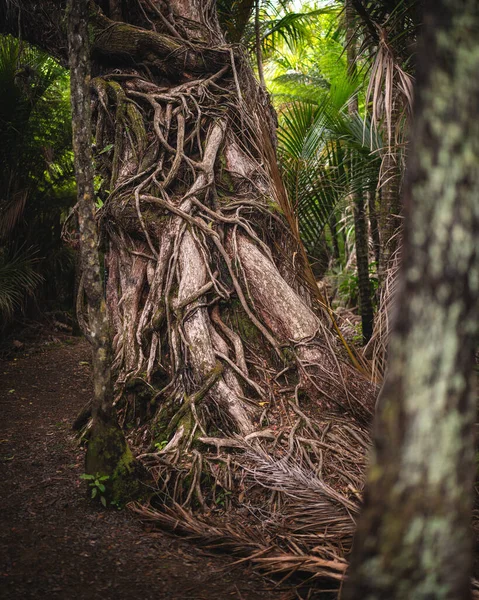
(108, 453)
(183, 146)
(212, 327)
(413, 538)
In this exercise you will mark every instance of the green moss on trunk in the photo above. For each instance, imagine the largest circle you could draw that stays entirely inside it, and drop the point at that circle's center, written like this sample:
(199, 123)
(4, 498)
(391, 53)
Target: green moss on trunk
(109, 454)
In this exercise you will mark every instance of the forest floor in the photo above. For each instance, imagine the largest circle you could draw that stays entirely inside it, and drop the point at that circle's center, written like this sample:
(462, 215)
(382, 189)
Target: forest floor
(54, 542)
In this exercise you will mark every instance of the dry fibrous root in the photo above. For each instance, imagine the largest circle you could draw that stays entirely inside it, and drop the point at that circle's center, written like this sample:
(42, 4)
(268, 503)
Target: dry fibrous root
(235, 387)
(292, 496)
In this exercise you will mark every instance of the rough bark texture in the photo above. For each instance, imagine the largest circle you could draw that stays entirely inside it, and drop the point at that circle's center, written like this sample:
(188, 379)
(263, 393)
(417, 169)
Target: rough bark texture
(413, 538)
(373, 221)
(107, 452)
(186, 210)
(214, 333)
(98, 329)
(362, 262)
(390, 208)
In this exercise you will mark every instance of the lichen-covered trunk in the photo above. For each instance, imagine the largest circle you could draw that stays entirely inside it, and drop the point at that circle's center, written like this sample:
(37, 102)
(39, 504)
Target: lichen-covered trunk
(97, 330)
(413, 538)
(107, 453)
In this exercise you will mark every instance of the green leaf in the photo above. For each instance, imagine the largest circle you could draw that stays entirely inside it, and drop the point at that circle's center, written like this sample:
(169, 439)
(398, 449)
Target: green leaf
(103, 500)
(86, 476)
(101, 487)
(107, 148)
(94, 492)
(103, 478)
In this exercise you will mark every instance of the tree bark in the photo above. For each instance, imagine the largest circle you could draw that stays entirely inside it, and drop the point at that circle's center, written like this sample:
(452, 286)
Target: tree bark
(373, 221)
(413, 538)
(205, 303)
(390, 207)
(98, 330)
(357, 200)
(107, 452)
(258, 48)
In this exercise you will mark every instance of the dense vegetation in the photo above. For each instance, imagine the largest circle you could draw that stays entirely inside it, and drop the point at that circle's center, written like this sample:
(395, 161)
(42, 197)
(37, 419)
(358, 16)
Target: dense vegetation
(36, 181)
(238, 224)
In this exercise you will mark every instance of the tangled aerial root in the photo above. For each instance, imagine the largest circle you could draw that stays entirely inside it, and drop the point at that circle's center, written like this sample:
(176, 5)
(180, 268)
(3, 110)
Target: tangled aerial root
(236, 388)
(291, 493)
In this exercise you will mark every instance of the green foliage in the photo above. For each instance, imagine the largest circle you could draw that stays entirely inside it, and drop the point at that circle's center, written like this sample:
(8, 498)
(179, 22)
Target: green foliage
(221, 498)
(97, 486)
(325, 156)
(348, 285)
(161, 445)
(18, 278)
(306, 67)
(36, 180)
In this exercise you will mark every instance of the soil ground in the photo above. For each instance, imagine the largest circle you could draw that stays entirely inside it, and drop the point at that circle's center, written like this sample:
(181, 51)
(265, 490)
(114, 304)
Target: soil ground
(54, 542)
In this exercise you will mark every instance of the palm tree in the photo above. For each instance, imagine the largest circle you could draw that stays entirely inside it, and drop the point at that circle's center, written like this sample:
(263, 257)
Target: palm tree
(328, 156)
(387, 32)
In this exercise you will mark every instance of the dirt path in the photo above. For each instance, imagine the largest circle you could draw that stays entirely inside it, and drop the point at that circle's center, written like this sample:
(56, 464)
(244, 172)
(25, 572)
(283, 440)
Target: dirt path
(53, 542)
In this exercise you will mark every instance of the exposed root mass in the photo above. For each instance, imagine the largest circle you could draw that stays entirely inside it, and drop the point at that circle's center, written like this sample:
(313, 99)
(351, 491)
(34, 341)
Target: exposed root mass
(236, 386)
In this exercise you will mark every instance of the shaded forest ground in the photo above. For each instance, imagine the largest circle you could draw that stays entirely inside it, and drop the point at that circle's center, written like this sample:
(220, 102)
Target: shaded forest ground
(54, 543)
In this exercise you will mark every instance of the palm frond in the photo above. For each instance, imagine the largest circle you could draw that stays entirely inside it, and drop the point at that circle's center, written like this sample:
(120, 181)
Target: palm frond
(324, 159)
(18, 279)
(292, 27)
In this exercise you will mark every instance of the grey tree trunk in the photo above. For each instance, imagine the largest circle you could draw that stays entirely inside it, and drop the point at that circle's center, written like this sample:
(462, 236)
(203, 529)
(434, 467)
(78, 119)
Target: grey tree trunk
(107, 453)
(413, 539)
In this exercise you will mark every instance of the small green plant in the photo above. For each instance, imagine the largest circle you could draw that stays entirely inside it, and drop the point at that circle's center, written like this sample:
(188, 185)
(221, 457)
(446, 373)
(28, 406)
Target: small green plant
(358, 336)
(97, 486)
(161, 445)
(348, 286)
(222, 497)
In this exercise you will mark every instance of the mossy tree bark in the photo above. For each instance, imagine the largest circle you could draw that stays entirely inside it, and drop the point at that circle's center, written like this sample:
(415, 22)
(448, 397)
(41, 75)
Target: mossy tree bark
(204, 298)
(184, 145)
(107, 452)
(413, 538)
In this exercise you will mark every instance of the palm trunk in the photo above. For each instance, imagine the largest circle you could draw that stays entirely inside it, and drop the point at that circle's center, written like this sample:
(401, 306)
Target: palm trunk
(357, 199)
(259, 51)
(373, 222)
(333, 227)
(390, 207)
(362, 261)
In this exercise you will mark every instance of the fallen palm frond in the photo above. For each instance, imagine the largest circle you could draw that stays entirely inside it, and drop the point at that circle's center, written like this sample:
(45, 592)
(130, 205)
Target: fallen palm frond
(243, 542)
(294, 495)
